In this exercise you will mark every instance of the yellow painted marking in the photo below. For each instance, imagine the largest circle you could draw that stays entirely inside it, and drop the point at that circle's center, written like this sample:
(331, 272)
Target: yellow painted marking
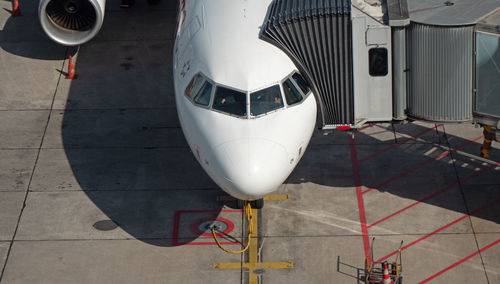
(252, 251)
(277, 197)
(253, 259)
(230, 265)
(239, 265)
(276, 265)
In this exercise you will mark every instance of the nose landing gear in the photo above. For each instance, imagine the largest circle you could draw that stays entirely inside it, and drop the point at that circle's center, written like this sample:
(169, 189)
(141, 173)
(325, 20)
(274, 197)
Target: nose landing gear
(257, 204)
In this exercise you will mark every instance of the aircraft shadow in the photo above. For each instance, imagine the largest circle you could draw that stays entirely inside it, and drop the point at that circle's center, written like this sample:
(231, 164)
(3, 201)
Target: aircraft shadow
(120, 131)
(123, 141)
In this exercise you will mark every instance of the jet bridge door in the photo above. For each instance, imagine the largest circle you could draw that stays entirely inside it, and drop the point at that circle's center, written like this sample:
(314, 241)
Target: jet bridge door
(372, 69)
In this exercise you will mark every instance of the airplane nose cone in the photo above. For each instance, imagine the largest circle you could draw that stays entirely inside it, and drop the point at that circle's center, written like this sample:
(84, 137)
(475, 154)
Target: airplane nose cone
(252, 168)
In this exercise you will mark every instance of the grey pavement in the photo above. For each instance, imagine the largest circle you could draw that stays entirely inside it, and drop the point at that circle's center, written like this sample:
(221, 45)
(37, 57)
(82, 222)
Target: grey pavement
(121, 128)
(26, 132)
(4, 247)
(119, 169)
(114, 195)
(491, 257)
(10, 208)
(147, 215)
(16, 168)
(41, 73)
(141, 67)
(118, 261)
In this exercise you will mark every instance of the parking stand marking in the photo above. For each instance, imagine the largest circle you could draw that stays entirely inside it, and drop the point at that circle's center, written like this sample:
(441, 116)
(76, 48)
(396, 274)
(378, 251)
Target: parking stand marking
(253, 261)
(460, 262)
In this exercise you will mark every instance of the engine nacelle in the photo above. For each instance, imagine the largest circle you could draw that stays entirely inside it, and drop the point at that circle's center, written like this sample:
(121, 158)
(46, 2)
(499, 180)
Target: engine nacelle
(71, 22)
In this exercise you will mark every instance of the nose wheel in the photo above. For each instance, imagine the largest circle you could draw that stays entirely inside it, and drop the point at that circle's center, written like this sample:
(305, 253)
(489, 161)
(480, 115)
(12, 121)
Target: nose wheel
(256, 204)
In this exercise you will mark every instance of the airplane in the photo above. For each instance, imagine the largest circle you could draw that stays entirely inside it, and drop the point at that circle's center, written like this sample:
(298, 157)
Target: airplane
(245, 110)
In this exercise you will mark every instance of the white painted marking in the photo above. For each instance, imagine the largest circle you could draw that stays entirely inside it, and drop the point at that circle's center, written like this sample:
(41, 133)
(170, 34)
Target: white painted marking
(321, 217)
(430, 151)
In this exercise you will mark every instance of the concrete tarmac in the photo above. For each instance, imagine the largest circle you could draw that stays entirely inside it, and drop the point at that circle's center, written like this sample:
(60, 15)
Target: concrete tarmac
(97, 184)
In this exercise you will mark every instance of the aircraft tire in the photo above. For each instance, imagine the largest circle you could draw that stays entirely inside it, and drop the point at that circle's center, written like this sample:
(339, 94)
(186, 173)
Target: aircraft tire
(258, 204)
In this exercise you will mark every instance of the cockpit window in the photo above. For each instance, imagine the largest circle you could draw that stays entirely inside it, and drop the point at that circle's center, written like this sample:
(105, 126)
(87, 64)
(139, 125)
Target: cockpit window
(203, 96)
(194, 86)
(292, 95)
(200, 90)
(299, 80)
(265, 100)
(230, 101)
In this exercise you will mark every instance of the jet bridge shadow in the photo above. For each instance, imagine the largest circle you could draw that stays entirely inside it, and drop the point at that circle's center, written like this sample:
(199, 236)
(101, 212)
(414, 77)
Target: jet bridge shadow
(422, 162)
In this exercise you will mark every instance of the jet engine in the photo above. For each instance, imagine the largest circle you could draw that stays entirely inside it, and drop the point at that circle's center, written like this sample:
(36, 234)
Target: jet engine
(71, 22)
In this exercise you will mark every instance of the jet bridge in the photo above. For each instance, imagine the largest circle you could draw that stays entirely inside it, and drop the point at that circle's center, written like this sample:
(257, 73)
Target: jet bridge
(317, 35)
(373, 61)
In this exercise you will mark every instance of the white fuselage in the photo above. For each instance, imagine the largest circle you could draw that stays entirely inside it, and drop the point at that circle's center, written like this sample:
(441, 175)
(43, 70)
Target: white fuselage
(247, 156)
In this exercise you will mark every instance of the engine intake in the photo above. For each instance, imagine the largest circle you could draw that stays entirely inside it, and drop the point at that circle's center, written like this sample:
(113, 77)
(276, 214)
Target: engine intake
(71, 22)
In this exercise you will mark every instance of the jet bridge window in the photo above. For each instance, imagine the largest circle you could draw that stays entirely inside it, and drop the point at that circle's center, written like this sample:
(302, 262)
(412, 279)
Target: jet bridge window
(378, 63)
(230, 101)
(487, 98)
(265, 100)
(292, 95)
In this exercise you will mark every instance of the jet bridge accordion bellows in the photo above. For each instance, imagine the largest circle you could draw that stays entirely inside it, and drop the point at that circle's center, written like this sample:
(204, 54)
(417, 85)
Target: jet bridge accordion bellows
(316, 35)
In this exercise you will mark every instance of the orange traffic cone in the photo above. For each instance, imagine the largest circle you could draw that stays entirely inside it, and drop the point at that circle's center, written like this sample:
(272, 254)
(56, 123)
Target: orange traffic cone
(15, 9)
(71, 70)
(387, 277)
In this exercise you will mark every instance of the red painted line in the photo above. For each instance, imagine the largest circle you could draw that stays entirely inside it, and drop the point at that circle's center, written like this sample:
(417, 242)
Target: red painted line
(442, 228)
(207, 244)
(434, 194)
(175, 231)
(359, 195)
(399, 144)
(177, 218)
(421, 165)
(460, 262)
(209, 211)
(368, 126)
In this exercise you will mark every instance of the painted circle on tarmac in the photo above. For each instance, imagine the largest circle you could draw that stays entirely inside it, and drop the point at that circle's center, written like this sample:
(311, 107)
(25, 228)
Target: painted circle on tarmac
(203, 227)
